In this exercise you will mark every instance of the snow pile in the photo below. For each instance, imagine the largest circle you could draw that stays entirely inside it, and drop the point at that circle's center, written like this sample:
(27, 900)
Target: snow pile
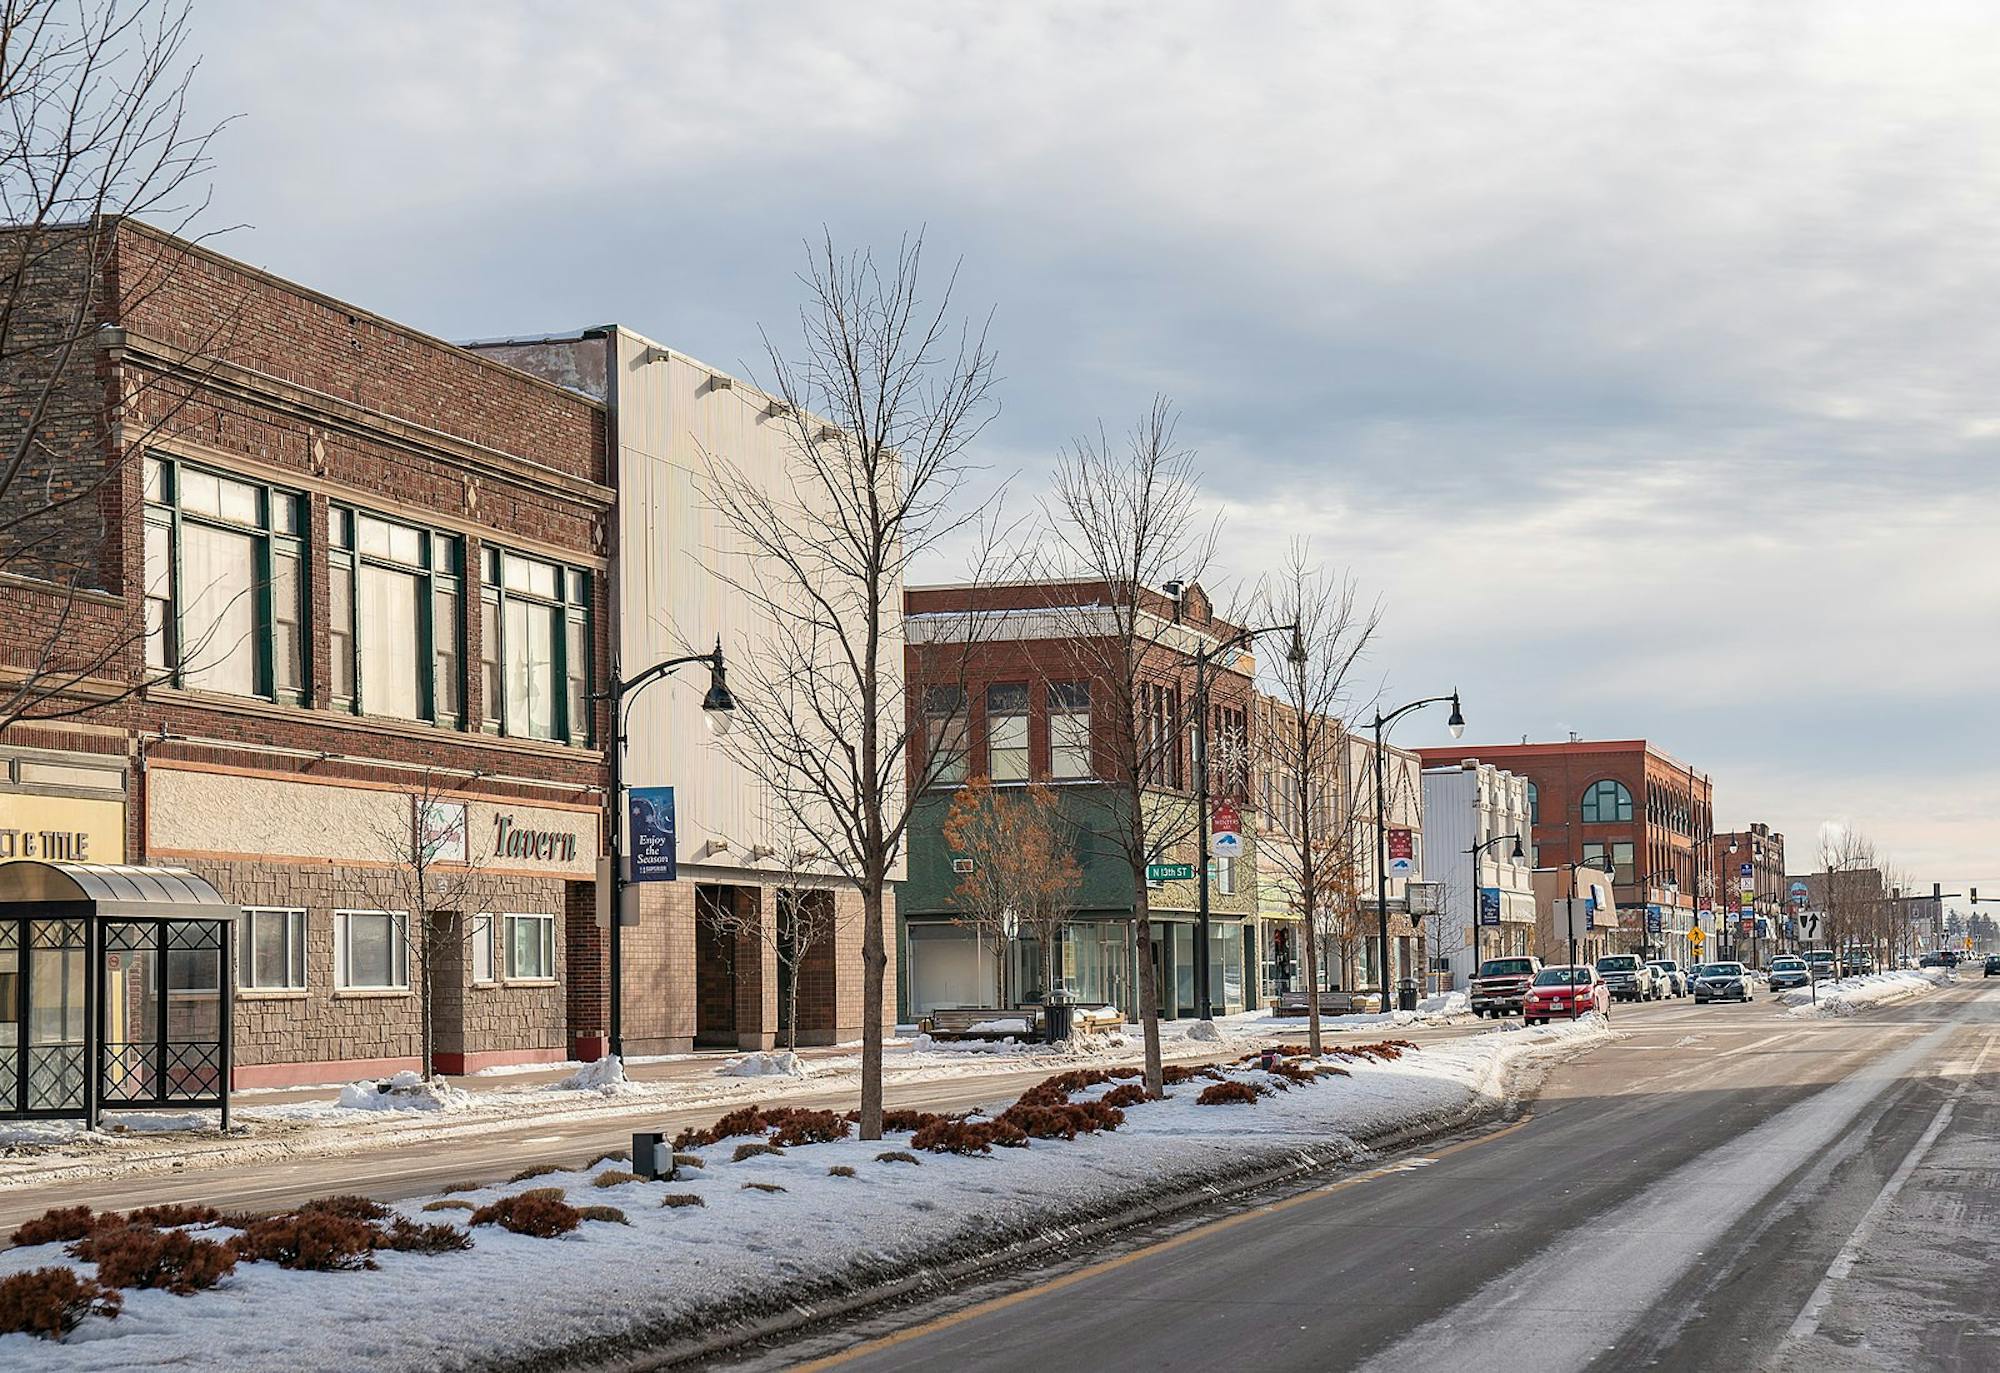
(404, 1092)
(1850, 994)
(782, 1064)
(606, 1077)
(1205, 1032)
(675, 1264)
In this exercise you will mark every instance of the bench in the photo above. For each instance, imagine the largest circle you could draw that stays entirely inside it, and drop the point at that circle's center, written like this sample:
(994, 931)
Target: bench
(1096, 1019)
(956, 1022)
(1330, 1003)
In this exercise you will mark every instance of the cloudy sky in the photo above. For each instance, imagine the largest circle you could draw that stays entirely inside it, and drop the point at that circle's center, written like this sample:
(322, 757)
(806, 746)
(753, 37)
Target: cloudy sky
(1640, 357)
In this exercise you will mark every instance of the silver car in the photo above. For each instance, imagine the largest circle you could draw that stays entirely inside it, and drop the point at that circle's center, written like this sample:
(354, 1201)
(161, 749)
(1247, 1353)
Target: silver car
(1721, 982)
(1669, 976)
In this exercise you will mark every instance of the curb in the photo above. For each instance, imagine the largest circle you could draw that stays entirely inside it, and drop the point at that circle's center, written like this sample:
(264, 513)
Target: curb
(642, 1352)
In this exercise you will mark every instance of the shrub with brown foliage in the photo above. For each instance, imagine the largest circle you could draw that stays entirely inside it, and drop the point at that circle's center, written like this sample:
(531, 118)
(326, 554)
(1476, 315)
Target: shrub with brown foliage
(762, 1187)
(753, 1149)
(840, 1170)
(903, 1120)
(540, 1170)
(316, 1241)
(897, 1156)
(609, 1214)
(690, 1161)
(62, 1224)
(1223, 1093)
(1056, 1091)
(144, 1256)
(1175, 1073)
(1382, 1051)
(682, 1199)
(954, 1136)
(409, 1237)
(744, 1120)
(615, 1156)
(615, 1177)
(449, 1204)
(810, 1127)
(544, 1217)
(1123, 1095)
(348, 1207)
(1065, 1121)
(174, 1213)
(51, 1302)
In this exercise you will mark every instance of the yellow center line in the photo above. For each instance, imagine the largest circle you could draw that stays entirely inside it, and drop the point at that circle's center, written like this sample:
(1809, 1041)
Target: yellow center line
(1213, 1227)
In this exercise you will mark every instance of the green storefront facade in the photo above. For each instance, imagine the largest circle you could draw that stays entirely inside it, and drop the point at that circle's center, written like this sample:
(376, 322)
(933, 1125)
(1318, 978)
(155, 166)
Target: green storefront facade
(941, 963)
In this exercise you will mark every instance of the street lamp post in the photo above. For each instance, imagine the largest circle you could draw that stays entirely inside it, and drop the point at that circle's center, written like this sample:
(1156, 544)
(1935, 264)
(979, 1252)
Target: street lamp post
(717, 707)
(1668, 879)
(1204, 999)
(1381, 726)
(1474, 852)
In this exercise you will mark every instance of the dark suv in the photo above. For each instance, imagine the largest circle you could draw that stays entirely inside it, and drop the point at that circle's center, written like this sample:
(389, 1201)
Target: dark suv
(1992, 965)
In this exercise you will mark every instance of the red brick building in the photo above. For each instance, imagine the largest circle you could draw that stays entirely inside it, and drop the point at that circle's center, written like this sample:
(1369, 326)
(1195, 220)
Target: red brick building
(1007, 680)
(318, 564)
(1629, 805)
(1750, 864)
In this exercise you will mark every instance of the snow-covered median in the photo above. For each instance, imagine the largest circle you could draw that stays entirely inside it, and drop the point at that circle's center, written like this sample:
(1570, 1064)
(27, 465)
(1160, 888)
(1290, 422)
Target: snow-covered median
(1849, 994)
(778, 1226)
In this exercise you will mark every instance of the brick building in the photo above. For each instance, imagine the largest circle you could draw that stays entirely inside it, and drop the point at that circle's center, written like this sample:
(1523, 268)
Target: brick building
(319, 566)
(1005, 678)
(1627, 805)
(702, 963)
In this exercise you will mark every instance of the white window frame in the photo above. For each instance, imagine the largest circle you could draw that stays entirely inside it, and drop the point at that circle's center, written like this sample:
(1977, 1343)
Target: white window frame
(400, 951)
(548, 923)
(1069, 736)
(295, 950)
(482, 941)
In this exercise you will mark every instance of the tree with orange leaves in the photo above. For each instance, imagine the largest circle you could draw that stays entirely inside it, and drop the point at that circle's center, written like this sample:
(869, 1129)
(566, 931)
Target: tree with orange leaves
(1024, 870)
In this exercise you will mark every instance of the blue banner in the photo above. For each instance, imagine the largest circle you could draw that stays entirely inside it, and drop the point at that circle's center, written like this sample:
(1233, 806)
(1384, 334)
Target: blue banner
(1489, 905)
(650, 815)
(1653, 919)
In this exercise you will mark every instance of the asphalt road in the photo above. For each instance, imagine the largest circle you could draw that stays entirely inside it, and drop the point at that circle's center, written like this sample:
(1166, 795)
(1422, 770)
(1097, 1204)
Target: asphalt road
(1727, 1187)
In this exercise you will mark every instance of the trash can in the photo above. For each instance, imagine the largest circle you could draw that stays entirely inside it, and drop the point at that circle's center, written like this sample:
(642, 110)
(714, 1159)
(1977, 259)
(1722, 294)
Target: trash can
(1406, 994)
(1058, 1019)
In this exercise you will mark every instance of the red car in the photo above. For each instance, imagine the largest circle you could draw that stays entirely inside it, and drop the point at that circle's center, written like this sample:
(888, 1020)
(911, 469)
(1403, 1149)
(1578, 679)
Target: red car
(1564, 993)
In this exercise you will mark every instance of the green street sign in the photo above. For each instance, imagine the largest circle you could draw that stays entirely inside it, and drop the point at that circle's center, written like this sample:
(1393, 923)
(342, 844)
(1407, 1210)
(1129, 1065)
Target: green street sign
(1169, 872)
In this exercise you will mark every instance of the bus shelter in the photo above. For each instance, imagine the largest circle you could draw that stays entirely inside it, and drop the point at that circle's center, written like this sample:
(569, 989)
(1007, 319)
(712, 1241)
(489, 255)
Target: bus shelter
(114, 990)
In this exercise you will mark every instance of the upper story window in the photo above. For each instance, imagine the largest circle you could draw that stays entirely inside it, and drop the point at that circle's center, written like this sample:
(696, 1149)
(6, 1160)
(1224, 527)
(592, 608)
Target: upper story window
(535, 653)
(1160, 735)
(1534, 805)
(1606, 801)
(395, 619)
(944, 734)
(1007, 733)
(1069, 730)
(224, 598)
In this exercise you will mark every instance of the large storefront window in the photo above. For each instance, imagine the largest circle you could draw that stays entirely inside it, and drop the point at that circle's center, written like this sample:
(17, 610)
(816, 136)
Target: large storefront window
(393, 599)
(535, 654)
(223, 593)
(1097, 963)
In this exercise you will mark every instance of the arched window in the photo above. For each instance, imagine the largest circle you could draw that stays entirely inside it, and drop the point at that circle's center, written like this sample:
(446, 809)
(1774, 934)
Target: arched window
(1605, 801)
(1534, 805)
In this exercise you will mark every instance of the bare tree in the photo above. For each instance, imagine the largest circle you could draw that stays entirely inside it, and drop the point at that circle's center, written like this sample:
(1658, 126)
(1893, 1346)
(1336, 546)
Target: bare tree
(1024, 875)
(803, 920)
(97, 131)
(1850, 884)
(882, 398)
(1124, 520)
(1300, 744)
(430, 872)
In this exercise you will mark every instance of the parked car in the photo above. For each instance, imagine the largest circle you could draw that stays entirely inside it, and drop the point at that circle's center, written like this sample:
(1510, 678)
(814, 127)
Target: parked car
(1857, 963)
(1934, 959)
(1822, 963)
(1789, 971)
(1721, 982)
(1566, 991)
(1992, 965)
(1501, 988)
(1669, 976)
(1628, 978)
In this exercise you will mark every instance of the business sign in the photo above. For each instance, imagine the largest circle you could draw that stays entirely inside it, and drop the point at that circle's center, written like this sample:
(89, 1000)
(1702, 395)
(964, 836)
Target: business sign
(1489, 905)
(650, 820)
(1749, 925)
(1745, 870)
(1225, 831)
(1799, 895)
(1424, 898)
(440, 830)
(1402, 853)
(1746, 884)
(1169, 872)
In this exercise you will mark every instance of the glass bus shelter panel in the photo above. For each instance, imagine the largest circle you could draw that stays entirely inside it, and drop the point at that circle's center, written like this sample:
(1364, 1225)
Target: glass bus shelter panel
(10, 1013)
(193, 1057)
(56, 1059)
(131, 1011)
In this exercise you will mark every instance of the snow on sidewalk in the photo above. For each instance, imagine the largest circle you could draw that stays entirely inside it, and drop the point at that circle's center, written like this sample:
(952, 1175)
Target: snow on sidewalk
(1849, 994)
(741, 1246)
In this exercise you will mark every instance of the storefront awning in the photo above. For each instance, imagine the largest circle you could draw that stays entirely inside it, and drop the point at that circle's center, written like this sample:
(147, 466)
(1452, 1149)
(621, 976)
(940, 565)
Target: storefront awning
(115, 891)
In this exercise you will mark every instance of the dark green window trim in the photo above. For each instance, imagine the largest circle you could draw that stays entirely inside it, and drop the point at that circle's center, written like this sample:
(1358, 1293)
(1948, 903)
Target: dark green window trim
(436, 562)
(566, 595)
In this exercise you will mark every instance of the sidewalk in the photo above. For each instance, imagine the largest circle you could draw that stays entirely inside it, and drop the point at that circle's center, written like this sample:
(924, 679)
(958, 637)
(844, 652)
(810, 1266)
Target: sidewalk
(324, 1122)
